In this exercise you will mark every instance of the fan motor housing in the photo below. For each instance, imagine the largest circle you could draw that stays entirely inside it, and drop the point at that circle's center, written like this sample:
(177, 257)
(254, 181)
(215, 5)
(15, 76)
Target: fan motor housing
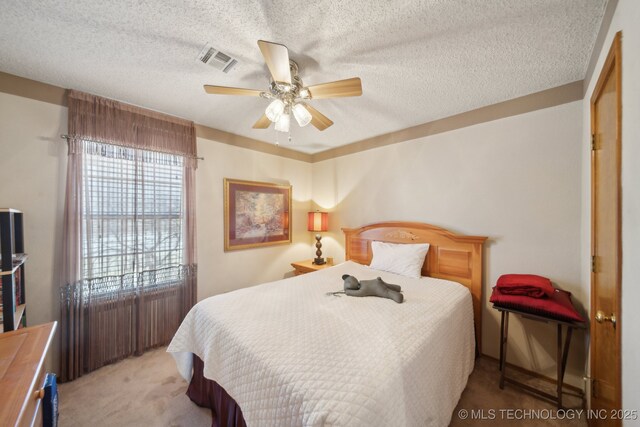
(287, 92)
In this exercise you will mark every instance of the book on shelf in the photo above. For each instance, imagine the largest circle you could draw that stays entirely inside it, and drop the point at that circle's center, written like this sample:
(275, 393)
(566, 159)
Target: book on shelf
(17, 280)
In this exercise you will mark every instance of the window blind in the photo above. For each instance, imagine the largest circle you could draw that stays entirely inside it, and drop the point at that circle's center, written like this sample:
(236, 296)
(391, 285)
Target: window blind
(133, 209)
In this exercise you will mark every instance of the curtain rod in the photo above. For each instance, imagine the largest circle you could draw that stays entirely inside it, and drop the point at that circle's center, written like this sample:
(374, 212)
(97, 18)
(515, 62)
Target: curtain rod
(68, 137)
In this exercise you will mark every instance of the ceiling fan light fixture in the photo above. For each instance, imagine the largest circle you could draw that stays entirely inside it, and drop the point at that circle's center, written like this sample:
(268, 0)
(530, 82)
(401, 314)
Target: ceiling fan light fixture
(286, 91)
(302, 115)
(304, 93)
(274, 110)
(282, 125)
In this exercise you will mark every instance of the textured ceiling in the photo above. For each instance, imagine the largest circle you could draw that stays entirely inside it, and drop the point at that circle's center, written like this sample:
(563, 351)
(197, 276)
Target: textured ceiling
(418, 60)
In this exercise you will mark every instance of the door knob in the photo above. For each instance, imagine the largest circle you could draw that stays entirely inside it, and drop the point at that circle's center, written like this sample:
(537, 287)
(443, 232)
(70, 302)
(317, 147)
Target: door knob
(601, 317)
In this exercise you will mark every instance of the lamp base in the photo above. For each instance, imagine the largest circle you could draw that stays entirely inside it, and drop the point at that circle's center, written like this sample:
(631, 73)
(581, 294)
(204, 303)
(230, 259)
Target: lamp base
(318, 260)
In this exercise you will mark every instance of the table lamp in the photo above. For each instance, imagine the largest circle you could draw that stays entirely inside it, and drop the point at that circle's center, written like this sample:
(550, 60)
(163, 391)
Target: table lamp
(318, 221)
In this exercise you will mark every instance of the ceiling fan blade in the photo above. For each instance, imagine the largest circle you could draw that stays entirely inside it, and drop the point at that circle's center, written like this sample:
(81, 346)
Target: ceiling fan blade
(277, 58)
(319, 120)
(348, 87)
(262, 123)
(224, 90)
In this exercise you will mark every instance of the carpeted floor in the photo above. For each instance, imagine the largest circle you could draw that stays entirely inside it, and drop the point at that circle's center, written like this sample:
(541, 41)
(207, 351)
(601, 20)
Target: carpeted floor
(139, 391)
(508, 407)
(148, 391)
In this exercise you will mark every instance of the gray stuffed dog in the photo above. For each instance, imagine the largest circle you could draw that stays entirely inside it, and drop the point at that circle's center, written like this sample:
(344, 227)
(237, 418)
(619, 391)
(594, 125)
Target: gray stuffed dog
(371, 288)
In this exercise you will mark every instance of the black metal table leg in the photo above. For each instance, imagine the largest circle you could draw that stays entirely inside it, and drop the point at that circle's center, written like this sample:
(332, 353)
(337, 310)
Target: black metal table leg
(504, 334)
(501, 337)
(567, 342)
(565, 354)
(559, 367)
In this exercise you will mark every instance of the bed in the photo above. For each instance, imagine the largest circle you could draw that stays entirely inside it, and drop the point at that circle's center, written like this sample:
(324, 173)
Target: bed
(291, 353)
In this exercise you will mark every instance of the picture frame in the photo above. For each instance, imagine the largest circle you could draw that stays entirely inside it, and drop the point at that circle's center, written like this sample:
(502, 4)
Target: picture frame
(256, 214)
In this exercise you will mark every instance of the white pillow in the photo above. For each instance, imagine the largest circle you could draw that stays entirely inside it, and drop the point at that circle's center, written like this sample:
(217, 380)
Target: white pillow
(405, 259)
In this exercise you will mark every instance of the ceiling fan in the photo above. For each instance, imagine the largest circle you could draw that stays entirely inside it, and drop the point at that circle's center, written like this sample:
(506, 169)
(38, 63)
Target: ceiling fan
(287, 92)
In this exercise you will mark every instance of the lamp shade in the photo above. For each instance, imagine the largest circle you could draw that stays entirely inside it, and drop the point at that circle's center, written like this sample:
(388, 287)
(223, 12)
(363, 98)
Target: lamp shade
(302, 115)
(282, 125)
(275, 110)
(318, 221)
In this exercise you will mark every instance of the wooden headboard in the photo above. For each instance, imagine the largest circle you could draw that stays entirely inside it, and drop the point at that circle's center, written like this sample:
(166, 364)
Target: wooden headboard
(451, 256)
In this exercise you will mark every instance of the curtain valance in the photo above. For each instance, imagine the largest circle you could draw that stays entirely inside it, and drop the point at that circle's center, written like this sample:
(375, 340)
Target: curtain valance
(101, 119)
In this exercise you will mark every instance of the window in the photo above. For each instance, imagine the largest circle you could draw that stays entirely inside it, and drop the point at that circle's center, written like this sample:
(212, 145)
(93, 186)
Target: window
(133, 213)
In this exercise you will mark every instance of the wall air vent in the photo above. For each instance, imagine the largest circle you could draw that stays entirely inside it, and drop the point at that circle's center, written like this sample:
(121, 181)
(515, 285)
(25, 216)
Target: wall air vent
(211, 56)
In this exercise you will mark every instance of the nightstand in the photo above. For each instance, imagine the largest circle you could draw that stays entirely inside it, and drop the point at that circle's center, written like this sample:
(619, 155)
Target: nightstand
(307, 266)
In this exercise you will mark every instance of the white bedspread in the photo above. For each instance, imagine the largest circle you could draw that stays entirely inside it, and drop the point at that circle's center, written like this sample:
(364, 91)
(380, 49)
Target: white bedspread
(290, 355)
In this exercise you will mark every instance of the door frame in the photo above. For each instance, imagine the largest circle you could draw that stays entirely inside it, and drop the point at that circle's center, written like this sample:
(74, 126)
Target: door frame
(612, 63)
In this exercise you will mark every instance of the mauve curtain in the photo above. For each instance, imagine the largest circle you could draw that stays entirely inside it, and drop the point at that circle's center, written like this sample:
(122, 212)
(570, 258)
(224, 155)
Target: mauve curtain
(100, 119)
(110, 316)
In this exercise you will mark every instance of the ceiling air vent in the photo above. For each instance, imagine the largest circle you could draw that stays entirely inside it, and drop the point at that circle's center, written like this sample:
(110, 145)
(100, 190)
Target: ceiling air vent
(219, 60)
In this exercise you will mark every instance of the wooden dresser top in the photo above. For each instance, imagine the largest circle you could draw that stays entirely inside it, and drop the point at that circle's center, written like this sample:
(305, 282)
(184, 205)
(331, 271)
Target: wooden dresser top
(22, 356)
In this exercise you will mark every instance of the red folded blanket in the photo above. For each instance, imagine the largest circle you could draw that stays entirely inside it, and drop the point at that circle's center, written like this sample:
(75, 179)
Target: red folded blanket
(557, 306)
(525, 284)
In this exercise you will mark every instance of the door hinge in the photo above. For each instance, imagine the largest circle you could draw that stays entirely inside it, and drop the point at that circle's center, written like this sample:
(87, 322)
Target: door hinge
(593, 263)
(595, 142)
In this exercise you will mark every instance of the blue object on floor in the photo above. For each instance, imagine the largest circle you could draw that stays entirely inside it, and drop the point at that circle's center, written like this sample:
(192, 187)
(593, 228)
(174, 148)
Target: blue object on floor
(50, 402)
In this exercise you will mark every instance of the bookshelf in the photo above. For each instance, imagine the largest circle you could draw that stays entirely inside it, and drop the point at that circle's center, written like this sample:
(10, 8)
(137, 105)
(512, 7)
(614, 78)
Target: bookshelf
(12, 263)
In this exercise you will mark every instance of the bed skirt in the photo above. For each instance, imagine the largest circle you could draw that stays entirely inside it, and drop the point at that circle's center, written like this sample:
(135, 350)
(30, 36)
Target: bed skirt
(204, 392)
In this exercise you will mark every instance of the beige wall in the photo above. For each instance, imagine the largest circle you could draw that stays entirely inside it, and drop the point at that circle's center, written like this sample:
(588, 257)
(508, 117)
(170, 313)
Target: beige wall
(33, 173)
(625, 19)
(222, 272)
(515, 180)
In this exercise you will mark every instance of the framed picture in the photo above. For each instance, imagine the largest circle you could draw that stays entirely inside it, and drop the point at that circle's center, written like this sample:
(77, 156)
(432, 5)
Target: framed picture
(256, 214)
